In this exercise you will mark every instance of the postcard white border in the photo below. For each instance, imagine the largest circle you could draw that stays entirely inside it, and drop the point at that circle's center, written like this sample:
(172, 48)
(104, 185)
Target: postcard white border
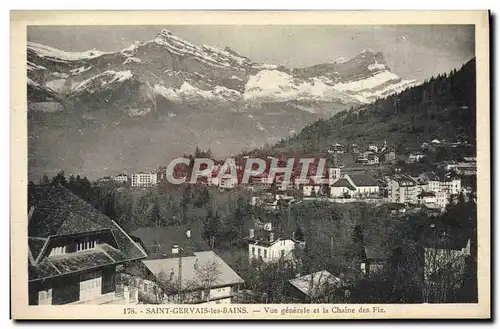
(21, 19)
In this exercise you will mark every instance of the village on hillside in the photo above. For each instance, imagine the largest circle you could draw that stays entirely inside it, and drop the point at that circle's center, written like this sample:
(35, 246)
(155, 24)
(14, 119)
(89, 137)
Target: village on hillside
(380, 221)
(431, 177)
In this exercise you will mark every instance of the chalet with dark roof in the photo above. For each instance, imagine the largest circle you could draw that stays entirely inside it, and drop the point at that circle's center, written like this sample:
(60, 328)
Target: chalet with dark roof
(337, 149)
(371, 157)
(265, 246)
(74, 250)
(457, 239)
(389, 156)
(375, 259)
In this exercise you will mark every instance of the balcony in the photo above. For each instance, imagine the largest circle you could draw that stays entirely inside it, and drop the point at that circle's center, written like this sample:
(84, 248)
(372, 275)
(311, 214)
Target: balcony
(122, 296)
(103, 299)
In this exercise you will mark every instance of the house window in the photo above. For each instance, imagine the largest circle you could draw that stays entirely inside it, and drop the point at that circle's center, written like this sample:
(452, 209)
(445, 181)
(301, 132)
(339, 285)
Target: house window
(145, 287)
(363, 268)
(282, 253)
(85, 245)
(258, 252)
(265, 253)
(253, 251)
(58, 250)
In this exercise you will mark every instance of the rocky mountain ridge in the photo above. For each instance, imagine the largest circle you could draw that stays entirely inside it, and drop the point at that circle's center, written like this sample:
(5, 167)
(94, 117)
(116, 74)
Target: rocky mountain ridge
(180, 72)
(98, 112)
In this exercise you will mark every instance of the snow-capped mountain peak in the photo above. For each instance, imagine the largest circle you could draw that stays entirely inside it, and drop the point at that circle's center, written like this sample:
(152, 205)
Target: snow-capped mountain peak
(104, 79)
(46, 51)
(181, 71)
(340, 60)
(214, 56)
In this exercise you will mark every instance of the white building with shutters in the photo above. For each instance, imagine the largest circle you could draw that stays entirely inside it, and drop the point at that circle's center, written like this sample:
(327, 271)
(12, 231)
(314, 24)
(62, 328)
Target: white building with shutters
(264, 246)
(144, 179)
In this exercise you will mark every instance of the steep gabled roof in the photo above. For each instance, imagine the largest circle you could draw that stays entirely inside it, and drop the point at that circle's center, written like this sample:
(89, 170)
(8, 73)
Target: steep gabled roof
(363, 180)
(62, 264)
(192, 269)
(58, 213)
(375, 252)
(455, 239)
(263, 237)
(316, 284)
(432, 176)
(36, 245)
(343, 183)
(419, 180)
(424, 194)
(160, 240)
(404, 180)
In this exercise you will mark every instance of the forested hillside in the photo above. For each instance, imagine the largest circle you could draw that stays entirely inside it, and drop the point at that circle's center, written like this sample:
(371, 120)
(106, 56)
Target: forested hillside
(443, 107)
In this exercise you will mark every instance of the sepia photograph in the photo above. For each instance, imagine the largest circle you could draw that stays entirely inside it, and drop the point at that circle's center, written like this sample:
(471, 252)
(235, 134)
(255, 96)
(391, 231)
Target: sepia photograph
(230, 166)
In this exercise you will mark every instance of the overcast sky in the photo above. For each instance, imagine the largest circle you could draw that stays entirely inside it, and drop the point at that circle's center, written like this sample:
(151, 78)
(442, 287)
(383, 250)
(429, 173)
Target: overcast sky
(415, 52)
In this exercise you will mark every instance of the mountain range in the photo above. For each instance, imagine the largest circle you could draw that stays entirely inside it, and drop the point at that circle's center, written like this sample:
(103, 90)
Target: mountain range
(98, 112)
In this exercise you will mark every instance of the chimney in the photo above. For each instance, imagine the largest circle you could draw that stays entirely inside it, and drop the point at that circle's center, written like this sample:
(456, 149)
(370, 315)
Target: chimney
(271, 236)
(175, 249)
(188, 233)
(251, 233)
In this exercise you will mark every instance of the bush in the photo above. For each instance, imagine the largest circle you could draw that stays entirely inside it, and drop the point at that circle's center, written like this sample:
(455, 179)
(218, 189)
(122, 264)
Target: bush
(148, 298)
